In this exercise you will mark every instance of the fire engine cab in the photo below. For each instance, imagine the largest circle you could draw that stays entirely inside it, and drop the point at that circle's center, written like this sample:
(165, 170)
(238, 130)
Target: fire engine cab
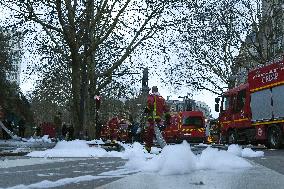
(186, 125)
(254, 111)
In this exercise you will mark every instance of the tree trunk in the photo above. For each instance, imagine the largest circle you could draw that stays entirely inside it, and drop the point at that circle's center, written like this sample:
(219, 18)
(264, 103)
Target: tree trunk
(76, 97)
(92, 106)
(84, 96)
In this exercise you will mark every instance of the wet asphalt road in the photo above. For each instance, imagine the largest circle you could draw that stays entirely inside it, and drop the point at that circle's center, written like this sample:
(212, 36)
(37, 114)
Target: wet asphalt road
(270, 166)
(30, 174)
(273, 159)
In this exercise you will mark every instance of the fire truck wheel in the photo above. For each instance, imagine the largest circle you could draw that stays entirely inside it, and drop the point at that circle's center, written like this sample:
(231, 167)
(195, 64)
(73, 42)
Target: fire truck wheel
(232, 137)
(274, 139)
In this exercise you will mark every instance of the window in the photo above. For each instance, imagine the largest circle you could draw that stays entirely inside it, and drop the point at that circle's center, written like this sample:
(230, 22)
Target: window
(192, 121)
(240, 101)
(225, 103)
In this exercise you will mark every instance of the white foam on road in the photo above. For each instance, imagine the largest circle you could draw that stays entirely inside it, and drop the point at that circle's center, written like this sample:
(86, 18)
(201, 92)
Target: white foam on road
(173, 159)
(179, 159)
(57, 183)
(77, 148)
(246, 152)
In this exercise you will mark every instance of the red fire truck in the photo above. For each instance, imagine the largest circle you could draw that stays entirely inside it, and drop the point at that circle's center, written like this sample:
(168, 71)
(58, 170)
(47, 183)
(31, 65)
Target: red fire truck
(186, 125)
(254, 112)
(116, 129)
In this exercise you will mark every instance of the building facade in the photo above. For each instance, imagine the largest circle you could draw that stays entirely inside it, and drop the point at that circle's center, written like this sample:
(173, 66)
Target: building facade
(15, 43)
(189, 105)
(265, 44)
(202, 106)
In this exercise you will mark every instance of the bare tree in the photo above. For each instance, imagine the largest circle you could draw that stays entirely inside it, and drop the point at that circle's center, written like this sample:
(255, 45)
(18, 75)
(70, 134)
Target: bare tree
(211, 34)
(265, 42)
(81, 32)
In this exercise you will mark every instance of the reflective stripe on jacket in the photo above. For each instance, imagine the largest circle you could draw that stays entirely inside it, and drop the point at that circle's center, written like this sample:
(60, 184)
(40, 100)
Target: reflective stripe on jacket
(156, 106)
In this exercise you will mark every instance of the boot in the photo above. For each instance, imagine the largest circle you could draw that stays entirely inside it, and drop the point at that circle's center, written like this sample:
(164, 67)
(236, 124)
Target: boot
(148, 149)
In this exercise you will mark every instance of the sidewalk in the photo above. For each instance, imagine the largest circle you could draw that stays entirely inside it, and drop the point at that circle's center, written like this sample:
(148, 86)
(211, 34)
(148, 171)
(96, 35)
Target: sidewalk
(258, 177)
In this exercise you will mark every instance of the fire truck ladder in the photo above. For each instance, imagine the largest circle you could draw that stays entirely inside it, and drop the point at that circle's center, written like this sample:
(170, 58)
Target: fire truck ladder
(12, 135)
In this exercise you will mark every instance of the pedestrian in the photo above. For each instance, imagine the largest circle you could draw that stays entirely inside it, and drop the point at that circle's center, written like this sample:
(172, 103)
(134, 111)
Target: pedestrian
(70, 130)
(57, 123)
(64, 131)
(156, 110)
(22, 127)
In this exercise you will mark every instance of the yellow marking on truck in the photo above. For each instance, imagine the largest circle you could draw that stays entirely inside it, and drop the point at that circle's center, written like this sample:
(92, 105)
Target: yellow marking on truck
(190, 130)
(201, 130)
(187, 130)
(267, 86)
(225, 122)
(267, 122)
(238, 120)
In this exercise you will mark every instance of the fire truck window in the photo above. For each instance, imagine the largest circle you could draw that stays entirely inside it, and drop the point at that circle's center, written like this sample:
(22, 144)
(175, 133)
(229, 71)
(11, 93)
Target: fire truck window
(192, 121)
(226, 101)
(240, 101)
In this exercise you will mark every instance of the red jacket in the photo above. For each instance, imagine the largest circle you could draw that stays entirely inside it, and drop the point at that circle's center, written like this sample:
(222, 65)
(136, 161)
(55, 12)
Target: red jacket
(156, 106)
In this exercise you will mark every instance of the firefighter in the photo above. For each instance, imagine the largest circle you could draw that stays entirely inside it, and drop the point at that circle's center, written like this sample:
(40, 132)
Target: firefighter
(57, 120)
(22, 127)
(155, 110)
